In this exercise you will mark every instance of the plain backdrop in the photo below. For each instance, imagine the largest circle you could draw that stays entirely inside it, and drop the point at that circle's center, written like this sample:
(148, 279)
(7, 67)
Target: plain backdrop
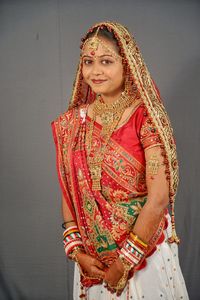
(39, 52)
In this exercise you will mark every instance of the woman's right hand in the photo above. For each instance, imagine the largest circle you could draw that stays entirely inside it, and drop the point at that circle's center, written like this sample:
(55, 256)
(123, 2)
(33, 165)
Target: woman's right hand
(91, 266)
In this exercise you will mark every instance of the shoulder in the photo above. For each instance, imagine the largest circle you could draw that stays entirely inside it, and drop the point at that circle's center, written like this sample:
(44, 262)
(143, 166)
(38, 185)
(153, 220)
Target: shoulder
(141, 113)
(63, 125)
(138, 112)
(138, 117)
(65, 118)
(141, 109)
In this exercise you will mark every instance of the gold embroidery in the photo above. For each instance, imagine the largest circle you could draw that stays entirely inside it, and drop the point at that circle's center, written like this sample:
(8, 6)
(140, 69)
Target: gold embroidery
(153, 165)
(149, 94)
(120, 165)
(110, 115)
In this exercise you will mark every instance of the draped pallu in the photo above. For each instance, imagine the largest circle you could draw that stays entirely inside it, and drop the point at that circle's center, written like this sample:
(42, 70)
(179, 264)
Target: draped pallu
(105, 217)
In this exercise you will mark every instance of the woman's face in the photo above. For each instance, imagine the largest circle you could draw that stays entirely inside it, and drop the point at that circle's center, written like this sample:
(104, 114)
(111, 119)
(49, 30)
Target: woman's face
(103, 71)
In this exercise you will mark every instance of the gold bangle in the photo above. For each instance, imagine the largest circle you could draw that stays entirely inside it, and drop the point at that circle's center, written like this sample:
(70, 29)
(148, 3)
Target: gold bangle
(74, 253)
(123, 280)
(127, 265)
(135, 238)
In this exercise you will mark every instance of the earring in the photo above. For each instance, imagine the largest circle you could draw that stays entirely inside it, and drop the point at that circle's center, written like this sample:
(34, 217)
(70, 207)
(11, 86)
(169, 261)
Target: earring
(127, 85)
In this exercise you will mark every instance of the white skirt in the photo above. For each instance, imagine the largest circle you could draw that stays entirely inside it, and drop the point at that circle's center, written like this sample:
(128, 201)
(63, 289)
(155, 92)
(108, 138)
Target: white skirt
(161, 279)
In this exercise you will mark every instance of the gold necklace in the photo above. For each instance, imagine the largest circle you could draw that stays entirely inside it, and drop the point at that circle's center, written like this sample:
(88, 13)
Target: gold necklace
(110, 115)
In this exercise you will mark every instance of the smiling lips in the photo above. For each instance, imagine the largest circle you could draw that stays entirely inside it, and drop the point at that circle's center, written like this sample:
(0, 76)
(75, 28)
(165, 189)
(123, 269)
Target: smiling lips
(98, 81)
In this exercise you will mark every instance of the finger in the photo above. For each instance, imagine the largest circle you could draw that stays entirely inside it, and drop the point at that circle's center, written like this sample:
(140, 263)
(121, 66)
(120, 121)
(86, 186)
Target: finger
(112, 290)
(119, 293)
(108, 276)
(97, 272)
(99, 264)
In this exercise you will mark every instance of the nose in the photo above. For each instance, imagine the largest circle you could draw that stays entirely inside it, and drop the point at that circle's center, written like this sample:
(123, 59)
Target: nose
(96, 69)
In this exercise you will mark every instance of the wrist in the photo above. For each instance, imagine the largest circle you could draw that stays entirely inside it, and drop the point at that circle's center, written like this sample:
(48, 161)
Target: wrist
(68, 224)
(124, 262)
(72, 241)
(133, 250)
(138, 241)
(76, 253)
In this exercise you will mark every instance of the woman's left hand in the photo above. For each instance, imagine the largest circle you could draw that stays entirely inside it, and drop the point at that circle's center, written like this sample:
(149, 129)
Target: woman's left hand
(114, 273)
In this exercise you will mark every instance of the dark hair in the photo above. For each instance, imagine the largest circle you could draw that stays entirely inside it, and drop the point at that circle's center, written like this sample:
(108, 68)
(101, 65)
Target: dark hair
(103, 32)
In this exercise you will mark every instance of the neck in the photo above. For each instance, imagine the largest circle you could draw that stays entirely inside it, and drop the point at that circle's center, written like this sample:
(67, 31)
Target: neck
(112, 97)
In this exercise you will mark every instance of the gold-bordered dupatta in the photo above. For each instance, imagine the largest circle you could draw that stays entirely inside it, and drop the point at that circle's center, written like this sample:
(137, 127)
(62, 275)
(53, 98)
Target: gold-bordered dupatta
(140, 78)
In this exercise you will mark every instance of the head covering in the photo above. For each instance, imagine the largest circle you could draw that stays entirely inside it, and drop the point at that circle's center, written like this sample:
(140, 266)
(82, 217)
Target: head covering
(139, 79)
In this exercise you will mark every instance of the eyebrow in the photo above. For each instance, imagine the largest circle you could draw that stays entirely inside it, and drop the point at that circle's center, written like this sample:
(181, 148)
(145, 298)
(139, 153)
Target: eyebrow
(97, 56)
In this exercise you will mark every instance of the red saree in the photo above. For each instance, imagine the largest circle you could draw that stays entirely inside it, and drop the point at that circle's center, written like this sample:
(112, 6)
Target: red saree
(105, 217)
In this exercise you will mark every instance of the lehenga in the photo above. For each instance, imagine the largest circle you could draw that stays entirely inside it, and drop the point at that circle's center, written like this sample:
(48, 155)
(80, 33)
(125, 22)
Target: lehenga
(105, 217)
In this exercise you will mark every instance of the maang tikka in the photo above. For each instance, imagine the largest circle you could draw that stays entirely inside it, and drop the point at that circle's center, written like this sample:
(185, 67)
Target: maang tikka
(94, 42)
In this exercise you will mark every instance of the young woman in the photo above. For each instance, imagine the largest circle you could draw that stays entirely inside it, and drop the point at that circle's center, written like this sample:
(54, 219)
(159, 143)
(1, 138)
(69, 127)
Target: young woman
(117, 166)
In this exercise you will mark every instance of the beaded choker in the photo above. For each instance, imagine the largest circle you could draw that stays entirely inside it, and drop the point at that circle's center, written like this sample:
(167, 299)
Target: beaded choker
(110, 115)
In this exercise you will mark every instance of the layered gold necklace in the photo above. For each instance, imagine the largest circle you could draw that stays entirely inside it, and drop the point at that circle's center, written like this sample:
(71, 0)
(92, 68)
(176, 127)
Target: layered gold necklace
(110, 115)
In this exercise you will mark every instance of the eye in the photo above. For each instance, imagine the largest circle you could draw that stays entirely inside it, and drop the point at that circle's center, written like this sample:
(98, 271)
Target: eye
(87, 61)
(106, 61)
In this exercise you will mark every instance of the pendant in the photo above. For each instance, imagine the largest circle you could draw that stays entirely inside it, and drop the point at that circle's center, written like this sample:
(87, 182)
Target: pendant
(107, 118)
(95, 170)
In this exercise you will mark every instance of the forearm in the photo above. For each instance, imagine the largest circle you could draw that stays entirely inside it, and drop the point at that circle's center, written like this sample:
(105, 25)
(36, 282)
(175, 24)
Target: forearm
(148, 220)
(68, 218)
(74, 248)
(157, 197)
(72, 241)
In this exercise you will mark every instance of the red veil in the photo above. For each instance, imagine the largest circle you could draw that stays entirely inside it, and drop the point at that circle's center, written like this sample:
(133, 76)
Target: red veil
(105, 224)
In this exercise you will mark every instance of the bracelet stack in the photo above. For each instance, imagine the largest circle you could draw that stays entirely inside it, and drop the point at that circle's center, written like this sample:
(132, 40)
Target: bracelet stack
(133, 250)
(72, 241)
(123, 280)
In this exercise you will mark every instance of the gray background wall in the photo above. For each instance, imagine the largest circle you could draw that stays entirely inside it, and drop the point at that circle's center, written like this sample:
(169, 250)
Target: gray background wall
(39, 46)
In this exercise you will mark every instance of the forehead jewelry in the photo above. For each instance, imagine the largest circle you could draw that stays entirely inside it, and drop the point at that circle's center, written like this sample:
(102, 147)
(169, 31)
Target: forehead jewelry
(93, 44)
